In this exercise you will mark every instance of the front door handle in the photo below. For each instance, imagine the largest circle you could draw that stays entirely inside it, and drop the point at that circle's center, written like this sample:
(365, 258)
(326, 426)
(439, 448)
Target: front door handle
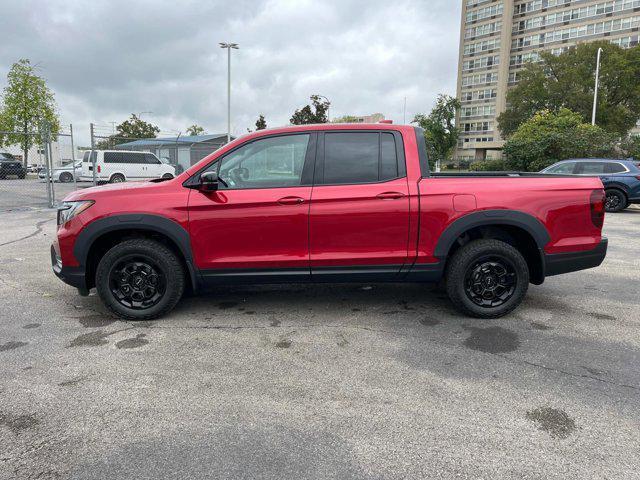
(291, 201)
(390, 195)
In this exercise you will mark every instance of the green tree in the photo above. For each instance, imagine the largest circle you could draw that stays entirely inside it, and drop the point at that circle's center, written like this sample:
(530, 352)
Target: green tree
(631, 146)
(27, 102)
(261, 123)
(345, 119)
(310, 114)
(568, 81)
(440, 131)
(132, 128)
(549, 137)
(195, 130)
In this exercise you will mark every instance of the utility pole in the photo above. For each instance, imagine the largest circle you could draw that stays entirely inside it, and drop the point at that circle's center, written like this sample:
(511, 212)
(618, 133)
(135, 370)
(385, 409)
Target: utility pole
(229, 46)
(404, 112)
(595, 94)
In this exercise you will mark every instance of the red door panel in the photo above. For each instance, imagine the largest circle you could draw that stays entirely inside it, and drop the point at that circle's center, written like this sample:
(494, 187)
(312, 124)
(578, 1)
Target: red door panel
(364, 224)
(250, 229)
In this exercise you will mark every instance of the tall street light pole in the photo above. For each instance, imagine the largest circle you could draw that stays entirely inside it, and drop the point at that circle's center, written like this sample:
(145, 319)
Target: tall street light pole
(595, 95)
(229, 46)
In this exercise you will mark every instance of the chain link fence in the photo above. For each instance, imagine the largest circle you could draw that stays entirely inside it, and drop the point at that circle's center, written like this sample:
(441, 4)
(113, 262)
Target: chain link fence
(30, 163)
(39, 169)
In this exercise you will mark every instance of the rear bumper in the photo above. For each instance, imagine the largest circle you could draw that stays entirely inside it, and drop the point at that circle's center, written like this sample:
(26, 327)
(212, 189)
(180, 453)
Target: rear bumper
(74, 276)
(560, 263)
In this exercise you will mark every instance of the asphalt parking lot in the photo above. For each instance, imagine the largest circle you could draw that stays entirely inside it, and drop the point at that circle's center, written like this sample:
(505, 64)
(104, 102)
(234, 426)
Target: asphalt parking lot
(331, 381)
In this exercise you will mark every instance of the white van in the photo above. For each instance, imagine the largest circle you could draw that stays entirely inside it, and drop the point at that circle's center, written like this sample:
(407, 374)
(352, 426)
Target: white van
(116, 166)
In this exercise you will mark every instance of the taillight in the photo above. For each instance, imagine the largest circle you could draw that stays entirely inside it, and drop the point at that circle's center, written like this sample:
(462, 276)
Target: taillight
(597, 208)
(99, 169)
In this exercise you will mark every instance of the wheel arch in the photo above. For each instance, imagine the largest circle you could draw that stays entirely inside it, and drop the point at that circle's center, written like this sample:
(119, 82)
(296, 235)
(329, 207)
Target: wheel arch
(97, 237)
(521, 230)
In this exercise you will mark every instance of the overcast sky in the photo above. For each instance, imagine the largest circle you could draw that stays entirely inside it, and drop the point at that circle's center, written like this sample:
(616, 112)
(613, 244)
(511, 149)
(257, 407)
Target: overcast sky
(107, 59)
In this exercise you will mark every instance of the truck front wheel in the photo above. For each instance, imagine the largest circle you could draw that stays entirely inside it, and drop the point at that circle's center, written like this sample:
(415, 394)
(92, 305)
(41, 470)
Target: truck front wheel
(140, 279)
(487, 278)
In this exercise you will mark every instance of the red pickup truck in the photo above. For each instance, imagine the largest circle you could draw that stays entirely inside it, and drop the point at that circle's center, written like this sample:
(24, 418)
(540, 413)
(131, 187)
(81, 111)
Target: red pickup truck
(327, 203)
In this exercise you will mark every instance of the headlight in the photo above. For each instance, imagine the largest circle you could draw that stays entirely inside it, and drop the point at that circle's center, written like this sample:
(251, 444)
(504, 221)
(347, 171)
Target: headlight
(68, 210)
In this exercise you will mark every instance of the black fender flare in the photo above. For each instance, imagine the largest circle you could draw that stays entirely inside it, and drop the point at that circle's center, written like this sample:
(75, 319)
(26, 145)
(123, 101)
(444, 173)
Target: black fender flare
(516, 218)
(151, 223)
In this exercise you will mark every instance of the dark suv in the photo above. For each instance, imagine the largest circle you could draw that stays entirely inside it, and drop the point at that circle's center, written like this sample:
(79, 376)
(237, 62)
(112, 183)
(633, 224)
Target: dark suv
(10, 166)
(621, 178)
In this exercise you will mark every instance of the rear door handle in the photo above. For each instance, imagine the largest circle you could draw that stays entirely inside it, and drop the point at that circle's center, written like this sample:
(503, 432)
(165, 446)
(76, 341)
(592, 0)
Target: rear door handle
(390, 195)
(291, 201)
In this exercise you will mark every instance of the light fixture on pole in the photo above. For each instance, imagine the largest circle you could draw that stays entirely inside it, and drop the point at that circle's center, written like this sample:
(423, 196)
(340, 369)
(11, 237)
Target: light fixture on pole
(595, 94)
(229, 46)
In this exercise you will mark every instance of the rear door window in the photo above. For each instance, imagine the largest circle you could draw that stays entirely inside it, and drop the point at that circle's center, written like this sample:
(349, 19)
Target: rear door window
(591, 168)
(359, 157)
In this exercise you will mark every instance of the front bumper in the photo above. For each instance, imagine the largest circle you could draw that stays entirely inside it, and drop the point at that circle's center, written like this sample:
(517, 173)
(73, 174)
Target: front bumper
(559, 263)
(74, 276)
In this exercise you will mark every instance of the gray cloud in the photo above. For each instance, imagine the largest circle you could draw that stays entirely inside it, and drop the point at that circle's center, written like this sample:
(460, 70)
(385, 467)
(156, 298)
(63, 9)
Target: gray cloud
(106, 59)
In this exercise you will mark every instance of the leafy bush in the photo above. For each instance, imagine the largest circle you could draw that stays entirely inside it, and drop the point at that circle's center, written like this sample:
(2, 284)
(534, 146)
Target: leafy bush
(549, 137)
(631, 147)
(491, 165)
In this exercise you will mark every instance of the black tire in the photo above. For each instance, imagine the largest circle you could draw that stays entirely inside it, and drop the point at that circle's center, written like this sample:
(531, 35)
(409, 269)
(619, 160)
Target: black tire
(164, 264)
(167, 175)
(117, 178)
(66, 177)
(615, 200)
(474, 275)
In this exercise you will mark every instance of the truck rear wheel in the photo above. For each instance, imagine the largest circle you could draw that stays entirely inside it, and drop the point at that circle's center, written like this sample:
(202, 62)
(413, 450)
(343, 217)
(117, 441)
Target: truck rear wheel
(487, 278)
(140, 279)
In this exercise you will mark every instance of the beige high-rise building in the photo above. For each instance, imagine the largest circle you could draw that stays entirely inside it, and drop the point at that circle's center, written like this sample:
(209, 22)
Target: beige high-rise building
(498, 37)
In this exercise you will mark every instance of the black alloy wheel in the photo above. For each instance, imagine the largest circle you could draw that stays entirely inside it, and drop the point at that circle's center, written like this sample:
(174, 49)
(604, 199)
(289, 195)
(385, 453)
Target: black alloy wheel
(490, 281)
(614, 201)
(137, 282)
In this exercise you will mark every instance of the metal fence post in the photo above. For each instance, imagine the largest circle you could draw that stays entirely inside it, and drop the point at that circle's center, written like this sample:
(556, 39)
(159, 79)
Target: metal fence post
(92, 156)
(73, 158)
(47, 168)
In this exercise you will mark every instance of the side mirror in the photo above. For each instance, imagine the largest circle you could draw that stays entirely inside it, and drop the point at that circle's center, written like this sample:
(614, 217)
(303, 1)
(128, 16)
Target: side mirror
(208, 182)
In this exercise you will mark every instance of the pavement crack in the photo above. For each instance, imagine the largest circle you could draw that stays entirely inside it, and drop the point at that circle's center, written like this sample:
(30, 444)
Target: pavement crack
(570, 374)
(33, 234)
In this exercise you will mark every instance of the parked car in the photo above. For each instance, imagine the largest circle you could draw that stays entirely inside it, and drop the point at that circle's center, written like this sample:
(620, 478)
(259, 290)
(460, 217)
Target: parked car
(327, 203)
(34, 168)
(621, 178)
(64, 174)
(116, 166)
(9, 166)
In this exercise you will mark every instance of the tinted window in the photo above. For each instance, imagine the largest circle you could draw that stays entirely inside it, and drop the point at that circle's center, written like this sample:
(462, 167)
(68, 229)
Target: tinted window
(591, 168)
(614, 167)
(360, 157)
(85, 156)
(563, 168)
(112, 157)
(388, 157)
(267, 163)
